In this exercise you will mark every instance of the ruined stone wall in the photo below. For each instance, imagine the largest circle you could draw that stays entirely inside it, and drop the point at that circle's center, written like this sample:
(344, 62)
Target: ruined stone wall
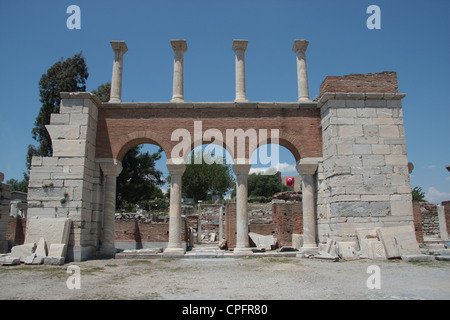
(288, 219)
(5, 198)
(446, 205)
(69, 184)
(139, 234)
(430, 219)
(16, 230)
(363, 179)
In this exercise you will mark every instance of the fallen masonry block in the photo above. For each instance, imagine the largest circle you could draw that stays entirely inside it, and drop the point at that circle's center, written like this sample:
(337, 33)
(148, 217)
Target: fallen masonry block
(376, 250)
(399, 241)
(365, 236)
(443, 258)
(347, 250)
(417, 257)
(9, 261)
(41, 248)
(262, 241)
(54, 261)
(23, 251)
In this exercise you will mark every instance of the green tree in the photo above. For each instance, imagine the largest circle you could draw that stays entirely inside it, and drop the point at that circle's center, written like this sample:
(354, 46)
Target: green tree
(202, 181)
(418, 194)
(68, 75)
(260, 185)
(19, 185)
(103, 91)
(139, 180)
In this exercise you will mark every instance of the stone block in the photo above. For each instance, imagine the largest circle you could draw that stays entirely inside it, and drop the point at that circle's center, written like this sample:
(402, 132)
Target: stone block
(376, 250)
(350, 209)
(263, 241)
(41, 248)
(399, 241)
(55, 231)
(364, 236)
(347, 250)
(297, 240)
(54, 261)
(9, 261)
(23, 251)
(417, 258)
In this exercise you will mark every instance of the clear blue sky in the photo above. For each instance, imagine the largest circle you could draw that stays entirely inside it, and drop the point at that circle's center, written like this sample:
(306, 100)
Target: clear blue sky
(413, 41)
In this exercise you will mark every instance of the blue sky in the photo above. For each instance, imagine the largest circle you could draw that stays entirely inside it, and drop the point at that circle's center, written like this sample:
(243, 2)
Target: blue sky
(413, 41)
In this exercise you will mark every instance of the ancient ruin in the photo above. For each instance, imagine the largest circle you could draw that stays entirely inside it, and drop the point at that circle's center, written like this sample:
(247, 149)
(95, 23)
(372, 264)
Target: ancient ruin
(349, 145)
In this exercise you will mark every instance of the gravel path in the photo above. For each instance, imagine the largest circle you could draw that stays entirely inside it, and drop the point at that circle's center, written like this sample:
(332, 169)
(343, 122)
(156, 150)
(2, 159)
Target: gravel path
(228, 278)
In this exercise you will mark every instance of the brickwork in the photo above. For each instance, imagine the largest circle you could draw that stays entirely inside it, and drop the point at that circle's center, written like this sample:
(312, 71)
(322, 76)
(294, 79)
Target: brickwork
(122, 127)
(16, 230)
(430, 220)
(5, 198)
(139, 232)
(418, 221)
(384, 82)
(288, 219)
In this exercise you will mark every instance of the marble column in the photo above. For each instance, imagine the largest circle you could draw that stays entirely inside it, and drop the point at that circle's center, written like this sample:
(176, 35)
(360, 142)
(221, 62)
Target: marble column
(179, 48)
(242, 242)
(110, 172)
(120, 48)
(307, 168)
(175, 224)
(239, 47)
(299, 48)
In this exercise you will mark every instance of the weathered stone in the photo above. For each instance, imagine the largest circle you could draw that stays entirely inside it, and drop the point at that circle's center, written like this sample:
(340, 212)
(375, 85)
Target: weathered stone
(297, 240)
(443, 258)
(262, 241)
(9, 261)
(57, 250)
(364, 236)
(54, 261)
(399, 241)
(350, 209)
(376, 250)
(41, 248)
(23, 251)
(417, 257)
(347, 250)
(54, 230)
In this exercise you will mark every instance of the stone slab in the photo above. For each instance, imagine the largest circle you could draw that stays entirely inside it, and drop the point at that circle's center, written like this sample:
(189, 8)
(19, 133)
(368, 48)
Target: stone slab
(375, 250)
(297, 240)
(364, 236)
(41, 248)
(417, 257)
(23, 251)
(54, 261)
(53, 230)
(9, 261)
(263, 241)
(347, 250)
(443, 258)
(399, 241)
(57, 250)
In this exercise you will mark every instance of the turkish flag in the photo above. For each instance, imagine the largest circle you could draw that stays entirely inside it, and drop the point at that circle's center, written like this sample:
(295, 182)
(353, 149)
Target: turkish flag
(290, 181)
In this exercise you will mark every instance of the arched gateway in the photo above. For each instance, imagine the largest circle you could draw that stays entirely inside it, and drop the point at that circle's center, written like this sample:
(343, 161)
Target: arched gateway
(349, 146)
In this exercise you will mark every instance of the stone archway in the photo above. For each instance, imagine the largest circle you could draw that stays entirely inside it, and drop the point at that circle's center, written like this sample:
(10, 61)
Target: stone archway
(355, 126)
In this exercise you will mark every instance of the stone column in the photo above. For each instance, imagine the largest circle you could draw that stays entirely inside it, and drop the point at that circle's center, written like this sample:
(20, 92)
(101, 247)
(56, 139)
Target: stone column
(300, 50)
(110, 171)
(179, 47)
(120, 48)
(239, 47)
(242, 243)
(176, 172)
(307, 168)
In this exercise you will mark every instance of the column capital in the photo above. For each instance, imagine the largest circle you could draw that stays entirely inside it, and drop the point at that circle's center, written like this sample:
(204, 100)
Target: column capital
(175, 167)
(241, 166)
(308, 166)
(110, 167)
(179, 45)
(240, 45)
(119, 46)
(300, 45)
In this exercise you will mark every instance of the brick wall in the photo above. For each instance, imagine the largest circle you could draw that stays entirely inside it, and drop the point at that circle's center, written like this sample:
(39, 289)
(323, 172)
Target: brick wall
(430, 219)
(287, 219)
(16, 230)
(137, 231)
(5, 198)
(417, 213)
(384, 82)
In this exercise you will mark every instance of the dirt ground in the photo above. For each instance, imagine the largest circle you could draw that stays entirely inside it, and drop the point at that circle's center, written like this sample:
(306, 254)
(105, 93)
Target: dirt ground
(227, 278)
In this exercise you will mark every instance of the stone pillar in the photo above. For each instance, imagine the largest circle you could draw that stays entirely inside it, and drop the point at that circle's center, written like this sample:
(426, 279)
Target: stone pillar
(239, 47)
(179, 47)
(221, 223)
(300, 50)
(242, 243)
(120, 48)
(307, 168)
(110, 171)
(176, 172)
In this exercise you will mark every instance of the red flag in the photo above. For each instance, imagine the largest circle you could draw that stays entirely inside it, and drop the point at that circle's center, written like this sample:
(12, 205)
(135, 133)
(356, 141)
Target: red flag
(290, 181)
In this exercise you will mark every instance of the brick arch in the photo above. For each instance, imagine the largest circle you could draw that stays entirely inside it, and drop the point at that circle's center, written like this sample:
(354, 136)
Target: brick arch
(132, 139)
(286, 140)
